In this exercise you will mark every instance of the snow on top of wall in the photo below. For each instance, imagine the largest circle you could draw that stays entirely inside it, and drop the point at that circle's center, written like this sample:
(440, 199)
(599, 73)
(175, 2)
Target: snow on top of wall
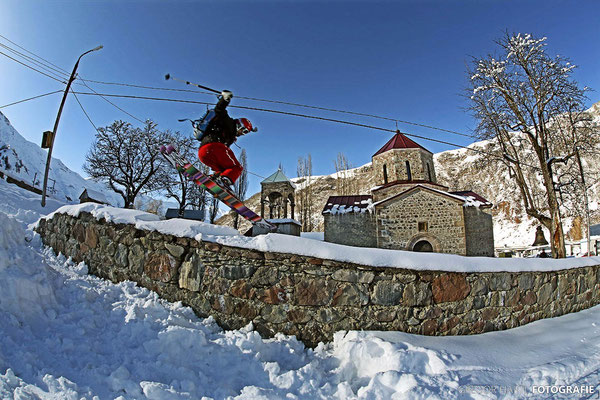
(147, 221)
(312, 248)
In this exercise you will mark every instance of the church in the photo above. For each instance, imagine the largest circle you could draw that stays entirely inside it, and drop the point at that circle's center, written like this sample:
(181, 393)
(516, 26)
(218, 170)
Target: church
(408, 210)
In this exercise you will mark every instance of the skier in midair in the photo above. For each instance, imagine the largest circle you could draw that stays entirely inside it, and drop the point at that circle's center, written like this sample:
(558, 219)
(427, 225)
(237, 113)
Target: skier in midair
(217, 131)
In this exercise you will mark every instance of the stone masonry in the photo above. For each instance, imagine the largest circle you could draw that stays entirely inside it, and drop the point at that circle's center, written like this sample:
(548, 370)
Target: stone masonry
(312, 297)
(398, 222)
(355, 229)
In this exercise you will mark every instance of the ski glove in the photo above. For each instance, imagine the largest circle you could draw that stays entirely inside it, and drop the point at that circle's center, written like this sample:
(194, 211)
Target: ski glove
(227, 95)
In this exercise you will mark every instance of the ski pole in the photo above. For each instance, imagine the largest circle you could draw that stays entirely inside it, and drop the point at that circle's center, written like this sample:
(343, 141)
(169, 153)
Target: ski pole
(168, 76)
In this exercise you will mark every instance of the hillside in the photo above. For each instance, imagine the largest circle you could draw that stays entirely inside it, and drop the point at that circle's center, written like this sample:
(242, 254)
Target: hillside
(26, 161)
(462, 169)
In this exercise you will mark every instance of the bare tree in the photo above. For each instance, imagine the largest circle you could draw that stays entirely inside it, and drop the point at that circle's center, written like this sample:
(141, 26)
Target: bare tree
(127, 159)
(345, 185)
(177, 186)
(305, 192)
(528, 102)
(213, 209)
(241, 185)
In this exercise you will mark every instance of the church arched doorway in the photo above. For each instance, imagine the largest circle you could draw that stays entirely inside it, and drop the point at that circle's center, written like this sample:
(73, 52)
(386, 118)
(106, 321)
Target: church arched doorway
(423, 246)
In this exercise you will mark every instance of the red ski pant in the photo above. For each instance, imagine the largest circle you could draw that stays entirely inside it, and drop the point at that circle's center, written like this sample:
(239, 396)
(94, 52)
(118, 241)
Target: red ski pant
(221, 160)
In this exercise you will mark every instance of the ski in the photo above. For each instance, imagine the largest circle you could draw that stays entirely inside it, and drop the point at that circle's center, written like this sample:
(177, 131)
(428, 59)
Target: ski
(222, 194)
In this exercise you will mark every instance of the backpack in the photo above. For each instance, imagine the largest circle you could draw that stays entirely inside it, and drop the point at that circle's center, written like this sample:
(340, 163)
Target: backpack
(202, 125)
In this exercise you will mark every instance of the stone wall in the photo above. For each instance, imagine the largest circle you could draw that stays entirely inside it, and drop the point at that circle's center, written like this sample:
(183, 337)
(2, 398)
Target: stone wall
(312, 297)
(352, 229)
(479, 232)
(395, 162)
(398, 219)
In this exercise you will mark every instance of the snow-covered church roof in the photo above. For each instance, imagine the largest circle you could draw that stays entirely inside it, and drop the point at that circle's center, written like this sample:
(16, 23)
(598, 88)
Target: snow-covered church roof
(347, 204)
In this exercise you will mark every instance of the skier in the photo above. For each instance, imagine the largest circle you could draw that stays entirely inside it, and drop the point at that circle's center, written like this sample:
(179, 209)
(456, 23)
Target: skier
(217, 131)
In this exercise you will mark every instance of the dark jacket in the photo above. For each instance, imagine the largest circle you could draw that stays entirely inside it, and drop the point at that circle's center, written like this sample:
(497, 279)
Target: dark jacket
(222, 128)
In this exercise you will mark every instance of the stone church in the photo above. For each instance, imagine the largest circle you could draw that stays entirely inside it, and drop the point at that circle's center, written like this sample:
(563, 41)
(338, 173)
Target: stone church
(409, 210)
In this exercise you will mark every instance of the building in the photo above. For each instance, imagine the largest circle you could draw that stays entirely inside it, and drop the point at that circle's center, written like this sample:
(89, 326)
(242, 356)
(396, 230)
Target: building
(277, 196)
(409, 210)
(92, 196)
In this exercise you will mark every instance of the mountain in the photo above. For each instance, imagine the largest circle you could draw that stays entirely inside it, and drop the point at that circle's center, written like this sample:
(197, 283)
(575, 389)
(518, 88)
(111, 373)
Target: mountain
(461, 169)
(25, 161)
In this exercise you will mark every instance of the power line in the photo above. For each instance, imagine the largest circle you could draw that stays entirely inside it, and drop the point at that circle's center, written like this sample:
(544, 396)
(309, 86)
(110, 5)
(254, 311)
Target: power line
(83, 109)
(51, 70)
(31, 98)
(240, 97)
(292, 104)
(24, 49)
(36, 70)
(296, 115)
(110, 102)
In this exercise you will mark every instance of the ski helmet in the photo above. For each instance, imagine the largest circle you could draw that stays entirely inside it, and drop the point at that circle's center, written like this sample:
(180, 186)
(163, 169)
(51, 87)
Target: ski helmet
(244, 126)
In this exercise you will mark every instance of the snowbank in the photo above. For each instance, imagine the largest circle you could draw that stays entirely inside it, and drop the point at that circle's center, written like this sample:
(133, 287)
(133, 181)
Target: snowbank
(25, 282)
(311, 248)
(106, 341)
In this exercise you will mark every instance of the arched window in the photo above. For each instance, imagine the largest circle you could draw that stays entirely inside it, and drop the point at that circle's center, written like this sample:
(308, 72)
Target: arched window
(385, 176)
(429, 173)
(408, 173)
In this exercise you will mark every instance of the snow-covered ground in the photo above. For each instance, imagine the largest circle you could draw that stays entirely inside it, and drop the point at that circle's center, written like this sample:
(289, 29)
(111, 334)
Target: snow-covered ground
(67, 335)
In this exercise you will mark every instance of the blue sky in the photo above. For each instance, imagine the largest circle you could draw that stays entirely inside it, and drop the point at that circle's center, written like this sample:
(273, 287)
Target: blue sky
(399, 59)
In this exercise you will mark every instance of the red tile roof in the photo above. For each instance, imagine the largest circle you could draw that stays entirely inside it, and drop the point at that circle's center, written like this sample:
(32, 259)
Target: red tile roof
(471, 197)
(399, 141)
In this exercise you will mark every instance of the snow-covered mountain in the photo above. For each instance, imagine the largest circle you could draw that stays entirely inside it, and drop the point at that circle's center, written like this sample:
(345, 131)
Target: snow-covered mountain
(26, 161)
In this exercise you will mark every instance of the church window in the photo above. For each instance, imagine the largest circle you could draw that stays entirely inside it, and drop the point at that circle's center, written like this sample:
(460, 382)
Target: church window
(423, 226)
(385, 175)
(429, 173)
(408, 173)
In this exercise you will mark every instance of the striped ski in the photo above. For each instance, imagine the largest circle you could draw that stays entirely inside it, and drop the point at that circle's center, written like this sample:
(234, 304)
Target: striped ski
(199, 178)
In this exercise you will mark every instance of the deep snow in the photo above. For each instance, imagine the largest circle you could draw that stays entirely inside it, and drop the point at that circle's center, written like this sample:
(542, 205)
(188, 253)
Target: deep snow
(67, 335)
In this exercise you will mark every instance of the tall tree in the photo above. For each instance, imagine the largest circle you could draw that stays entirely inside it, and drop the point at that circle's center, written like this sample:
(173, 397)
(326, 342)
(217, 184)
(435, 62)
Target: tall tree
(345, 185)
(241, 185)
(528, 102)
(304, 195)
(128, 159)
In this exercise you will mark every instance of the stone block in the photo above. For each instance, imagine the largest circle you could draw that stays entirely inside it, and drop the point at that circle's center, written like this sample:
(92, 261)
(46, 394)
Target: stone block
(387, 293)
(191, 273)
(175, 250)
(160, 267)
(349, 294)
(450, 287)
(354, 276)
(313, 292)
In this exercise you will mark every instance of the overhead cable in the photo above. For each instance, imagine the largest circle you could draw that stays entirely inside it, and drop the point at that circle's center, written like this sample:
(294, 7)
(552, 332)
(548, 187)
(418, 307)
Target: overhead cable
(43, 59)
(35, 69)
(31, 98)
(110, 102)
(241, 97)
(85, 112)
(49, 69)
(299, 115)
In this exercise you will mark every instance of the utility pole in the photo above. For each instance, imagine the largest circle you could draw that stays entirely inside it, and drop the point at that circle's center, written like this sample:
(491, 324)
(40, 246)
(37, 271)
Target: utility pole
(53, 135)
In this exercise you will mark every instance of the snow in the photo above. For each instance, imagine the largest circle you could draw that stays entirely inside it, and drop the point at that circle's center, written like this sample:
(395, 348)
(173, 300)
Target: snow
(283, 221)
(26, 161)
(274, 242)
(68, 335)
